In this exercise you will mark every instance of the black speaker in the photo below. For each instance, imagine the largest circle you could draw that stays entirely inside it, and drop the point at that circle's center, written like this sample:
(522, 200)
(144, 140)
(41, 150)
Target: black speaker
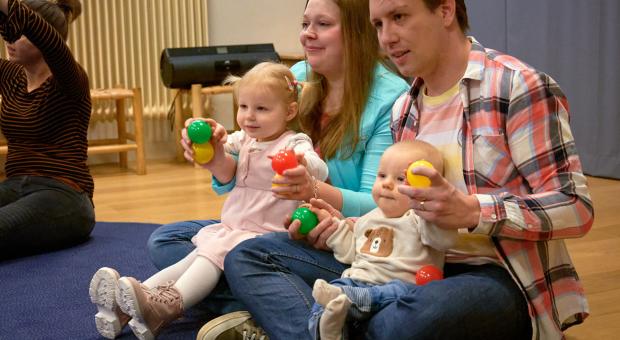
(210, 65)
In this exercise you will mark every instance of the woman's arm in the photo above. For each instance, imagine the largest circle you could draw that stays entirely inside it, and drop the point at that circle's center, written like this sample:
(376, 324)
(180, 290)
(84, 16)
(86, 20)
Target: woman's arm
(68, 74)
(375, 130)
(5, 65)
(358, 202)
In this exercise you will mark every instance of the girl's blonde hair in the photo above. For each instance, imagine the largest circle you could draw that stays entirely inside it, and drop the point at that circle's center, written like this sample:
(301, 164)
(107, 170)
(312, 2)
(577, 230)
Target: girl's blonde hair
(271, 76)
(361, 56)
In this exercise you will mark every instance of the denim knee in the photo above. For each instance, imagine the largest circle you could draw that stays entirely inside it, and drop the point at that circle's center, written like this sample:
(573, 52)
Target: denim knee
(157, 238)
(252, 255)
(243, 251)
(170, 243)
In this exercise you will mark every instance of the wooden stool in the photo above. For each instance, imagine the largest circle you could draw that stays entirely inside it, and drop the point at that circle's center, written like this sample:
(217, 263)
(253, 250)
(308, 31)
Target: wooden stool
(4, 149)
(120, 144)
(200, 96)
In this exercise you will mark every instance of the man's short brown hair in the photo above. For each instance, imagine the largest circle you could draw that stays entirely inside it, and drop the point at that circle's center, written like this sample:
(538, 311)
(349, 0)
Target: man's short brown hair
(461, 11)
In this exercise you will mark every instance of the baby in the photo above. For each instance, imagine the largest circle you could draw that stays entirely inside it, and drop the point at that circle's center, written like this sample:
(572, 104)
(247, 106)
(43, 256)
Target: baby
(385, 247)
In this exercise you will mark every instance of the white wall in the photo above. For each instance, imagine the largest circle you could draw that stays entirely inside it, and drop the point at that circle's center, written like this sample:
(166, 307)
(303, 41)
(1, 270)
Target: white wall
(256, 21)
(234, 22)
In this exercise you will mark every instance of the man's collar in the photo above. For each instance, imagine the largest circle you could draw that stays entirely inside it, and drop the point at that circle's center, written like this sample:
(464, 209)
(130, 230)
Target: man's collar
(475, 64)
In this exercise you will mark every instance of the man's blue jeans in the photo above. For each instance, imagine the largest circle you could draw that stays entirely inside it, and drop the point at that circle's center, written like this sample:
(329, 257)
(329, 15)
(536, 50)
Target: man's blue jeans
(170, 243)
(273, 276)
(40, 214)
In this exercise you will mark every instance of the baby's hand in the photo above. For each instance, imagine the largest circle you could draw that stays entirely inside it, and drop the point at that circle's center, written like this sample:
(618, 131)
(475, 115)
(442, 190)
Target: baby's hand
(319, 206)
(317, 237)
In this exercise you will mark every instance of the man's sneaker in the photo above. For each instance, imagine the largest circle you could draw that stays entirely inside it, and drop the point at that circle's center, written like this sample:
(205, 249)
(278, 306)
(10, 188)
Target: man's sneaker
(109, 319)
(232, 326)
(151, 310)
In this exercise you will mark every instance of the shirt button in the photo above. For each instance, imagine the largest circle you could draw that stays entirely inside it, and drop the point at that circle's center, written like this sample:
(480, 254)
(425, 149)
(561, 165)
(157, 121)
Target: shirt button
(493, 216)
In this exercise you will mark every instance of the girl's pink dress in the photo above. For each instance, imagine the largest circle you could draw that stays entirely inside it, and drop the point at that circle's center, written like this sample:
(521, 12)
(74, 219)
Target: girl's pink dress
(251, 209)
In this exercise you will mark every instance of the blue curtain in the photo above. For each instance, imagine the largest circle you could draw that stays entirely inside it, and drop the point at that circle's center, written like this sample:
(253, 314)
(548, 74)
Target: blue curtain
(577, 42)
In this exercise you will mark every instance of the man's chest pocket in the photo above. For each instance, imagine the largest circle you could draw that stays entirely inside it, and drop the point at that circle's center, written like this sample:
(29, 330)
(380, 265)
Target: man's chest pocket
(492, 159)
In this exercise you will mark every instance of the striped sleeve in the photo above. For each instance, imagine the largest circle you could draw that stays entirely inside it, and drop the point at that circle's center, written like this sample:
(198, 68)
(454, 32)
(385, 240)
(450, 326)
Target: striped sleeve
(67, 72)
(543, 150)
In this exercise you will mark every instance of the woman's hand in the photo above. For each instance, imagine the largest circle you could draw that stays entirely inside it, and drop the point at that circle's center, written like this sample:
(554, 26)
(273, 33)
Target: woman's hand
(441, 203)
(218, 138)
(295, 183)
(318, 236)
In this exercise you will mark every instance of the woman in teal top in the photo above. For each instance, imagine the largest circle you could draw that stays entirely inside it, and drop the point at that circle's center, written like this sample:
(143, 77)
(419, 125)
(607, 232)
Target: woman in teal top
(349, 123)
(348, 120)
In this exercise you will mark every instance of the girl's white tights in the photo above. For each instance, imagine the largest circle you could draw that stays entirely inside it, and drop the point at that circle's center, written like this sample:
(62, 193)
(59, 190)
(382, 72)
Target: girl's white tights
(195, 277)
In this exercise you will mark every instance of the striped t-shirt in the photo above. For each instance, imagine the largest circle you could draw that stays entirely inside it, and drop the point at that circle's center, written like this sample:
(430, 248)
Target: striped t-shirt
(440, 127)
(46, 128)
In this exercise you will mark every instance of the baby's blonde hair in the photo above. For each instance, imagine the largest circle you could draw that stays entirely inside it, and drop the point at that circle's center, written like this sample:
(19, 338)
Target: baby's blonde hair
(272, 76)
(422, 150)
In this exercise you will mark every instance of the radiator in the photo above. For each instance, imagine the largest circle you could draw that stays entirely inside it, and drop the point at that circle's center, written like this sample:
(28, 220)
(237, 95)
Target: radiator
(120, 42)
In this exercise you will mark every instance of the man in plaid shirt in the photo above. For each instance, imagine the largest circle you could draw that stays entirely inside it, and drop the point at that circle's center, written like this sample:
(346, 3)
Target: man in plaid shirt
(513, 184)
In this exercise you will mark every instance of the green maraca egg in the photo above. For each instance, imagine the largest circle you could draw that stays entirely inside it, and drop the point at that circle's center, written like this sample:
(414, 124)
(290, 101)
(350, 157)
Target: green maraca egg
(199, 132)
(308, 219)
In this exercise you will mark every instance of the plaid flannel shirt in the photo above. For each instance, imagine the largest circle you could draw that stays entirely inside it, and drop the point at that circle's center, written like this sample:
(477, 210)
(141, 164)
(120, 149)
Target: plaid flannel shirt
(520, 161)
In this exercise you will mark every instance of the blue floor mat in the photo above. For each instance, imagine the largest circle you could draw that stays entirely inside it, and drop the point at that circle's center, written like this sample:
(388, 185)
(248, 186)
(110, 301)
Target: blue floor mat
(46, 296)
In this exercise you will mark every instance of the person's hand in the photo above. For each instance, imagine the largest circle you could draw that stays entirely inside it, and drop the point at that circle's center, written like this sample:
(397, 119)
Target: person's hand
(296, 183)
(328, 224)
(319, 204)
(441, 203)
(218, 138)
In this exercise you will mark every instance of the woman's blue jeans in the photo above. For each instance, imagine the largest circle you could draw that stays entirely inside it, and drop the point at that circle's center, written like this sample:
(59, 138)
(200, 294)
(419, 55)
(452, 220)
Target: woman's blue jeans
(40, 214)
(170, 243)
(273, 276)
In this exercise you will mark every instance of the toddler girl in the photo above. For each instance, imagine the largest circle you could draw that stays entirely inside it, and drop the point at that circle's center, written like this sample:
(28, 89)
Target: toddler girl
(267, 98)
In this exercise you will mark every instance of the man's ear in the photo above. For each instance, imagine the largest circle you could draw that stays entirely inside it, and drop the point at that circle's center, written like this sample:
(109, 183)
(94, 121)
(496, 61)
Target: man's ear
(448, 12)
(292, 111)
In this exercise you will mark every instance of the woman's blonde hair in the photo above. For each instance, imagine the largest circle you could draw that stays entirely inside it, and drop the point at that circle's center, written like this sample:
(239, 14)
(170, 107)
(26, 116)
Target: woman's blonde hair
(361, 55)
(271, 76)
(58, 13)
